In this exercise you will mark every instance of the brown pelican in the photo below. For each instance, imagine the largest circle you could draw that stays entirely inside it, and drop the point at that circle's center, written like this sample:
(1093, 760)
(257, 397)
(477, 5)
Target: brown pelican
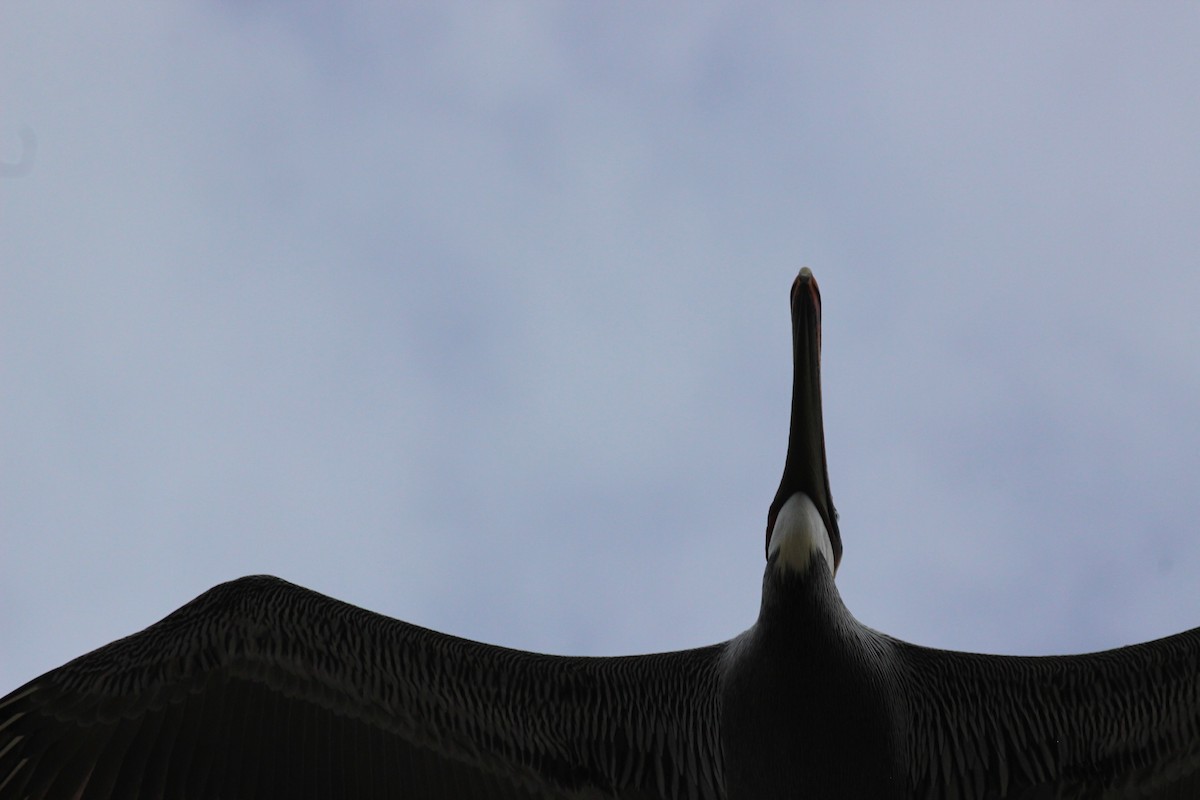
(262, 689)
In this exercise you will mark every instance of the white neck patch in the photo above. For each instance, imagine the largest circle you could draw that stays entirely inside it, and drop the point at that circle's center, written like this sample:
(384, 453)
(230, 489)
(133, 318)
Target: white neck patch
(799, 533)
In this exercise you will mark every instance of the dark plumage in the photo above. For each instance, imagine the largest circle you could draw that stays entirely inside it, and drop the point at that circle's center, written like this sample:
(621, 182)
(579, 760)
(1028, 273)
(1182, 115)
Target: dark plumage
(260, 689)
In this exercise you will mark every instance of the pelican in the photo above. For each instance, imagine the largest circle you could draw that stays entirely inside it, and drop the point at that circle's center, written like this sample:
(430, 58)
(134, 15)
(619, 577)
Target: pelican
(263, 689)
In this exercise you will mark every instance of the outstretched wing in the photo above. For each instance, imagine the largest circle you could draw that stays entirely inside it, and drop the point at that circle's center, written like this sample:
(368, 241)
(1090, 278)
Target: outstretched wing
(261, 689)
(1121, 723)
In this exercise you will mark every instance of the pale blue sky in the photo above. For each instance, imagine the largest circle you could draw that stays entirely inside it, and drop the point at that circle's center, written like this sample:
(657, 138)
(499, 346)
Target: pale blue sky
(477, 315)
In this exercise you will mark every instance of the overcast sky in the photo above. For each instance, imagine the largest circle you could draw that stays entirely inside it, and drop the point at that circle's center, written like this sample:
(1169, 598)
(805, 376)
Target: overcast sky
(477, 315)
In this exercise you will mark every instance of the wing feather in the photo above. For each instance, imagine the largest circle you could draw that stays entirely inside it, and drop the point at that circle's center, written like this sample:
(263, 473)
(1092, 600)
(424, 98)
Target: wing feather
(262, 689)
(1121, 723)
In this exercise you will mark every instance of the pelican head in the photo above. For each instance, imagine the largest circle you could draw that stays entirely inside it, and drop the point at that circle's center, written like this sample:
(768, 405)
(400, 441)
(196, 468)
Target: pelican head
(802, 521)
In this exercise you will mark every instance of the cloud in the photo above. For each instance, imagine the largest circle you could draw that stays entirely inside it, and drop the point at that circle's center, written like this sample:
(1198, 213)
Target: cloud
(480, 320)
